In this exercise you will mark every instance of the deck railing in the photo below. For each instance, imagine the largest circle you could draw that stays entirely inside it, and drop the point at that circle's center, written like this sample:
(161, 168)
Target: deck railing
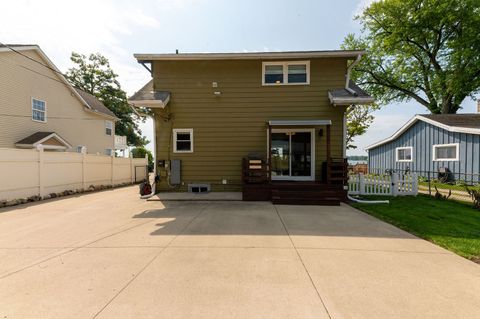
(387, 185)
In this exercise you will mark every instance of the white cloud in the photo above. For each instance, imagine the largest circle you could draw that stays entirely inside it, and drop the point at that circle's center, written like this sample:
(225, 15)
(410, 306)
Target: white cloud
(87, 26)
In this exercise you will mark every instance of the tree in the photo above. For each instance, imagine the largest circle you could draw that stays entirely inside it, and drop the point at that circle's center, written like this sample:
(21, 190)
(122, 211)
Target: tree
(140, 152)
(94, 75)
(359, 118)
(425, 50)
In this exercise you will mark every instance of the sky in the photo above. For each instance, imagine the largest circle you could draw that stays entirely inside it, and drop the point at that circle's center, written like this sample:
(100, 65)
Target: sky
(118, 29)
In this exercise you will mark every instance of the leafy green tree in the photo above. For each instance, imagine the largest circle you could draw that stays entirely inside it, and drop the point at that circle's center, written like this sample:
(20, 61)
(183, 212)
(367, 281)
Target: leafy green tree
(425, 50)
(94, 75)
(140, 152)
(359, 118)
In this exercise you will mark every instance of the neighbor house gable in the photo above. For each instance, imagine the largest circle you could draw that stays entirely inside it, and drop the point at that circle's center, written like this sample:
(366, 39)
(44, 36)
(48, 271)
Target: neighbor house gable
(455, 126)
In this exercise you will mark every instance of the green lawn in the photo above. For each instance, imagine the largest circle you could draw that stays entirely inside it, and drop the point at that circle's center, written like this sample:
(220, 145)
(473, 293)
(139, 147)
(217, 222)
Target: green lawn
(452, 225)
(448, 186)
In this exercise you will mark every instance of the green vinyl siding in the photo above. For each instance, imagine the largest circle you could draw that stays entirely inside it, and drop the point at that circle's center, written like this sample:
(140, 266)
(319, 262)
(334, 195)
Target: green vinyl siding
(228, 127)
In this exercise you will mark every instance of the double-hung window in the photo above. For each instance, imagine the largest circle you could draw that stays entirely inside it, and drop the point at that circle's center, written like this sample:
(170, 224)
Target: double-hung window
(446, 152)
(109, 127)
(39, 110)
(404, 154)
(183, 140)
(285, 73)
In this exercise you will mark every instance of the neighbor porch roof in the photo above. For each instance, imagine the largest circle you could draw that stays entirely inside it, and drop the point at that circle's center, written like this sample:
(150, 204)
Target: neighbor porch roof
(49, 140)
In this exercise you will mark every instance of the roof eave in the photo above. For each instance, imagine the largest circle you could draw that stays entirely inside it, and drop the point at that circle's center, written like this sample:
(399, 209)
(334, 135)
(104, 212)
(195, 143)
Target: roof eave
(110, 117)
(147, 57)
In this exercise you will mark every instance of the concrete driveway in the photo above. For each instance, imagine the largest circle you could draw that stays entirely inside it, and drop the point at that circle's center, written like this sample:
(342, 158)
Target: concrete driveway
(112, 255)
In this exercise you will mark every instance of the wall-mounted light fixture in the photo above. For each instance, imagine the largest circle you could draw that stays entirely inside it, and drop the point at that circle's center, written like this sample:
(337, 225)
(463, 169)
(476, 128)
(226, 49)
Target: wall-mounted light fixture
(320, 132)
(217, 93)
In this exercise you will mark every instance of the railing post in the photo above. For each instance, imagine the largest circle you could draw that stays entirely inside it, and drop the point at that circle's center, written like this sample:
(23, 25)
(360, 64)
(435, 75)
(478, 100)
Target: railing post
(132, 172)
(361, 183)
(394, 188)
(41, 171)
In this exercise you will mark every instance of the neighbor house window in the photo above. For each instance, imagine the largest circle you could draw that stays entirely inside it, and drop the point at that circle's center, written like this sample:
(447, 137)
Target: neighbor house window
(108, 151)
(278, 73)
(39, 110)
(404, 154)
(183, 140)
(108, 127)
(446, 152)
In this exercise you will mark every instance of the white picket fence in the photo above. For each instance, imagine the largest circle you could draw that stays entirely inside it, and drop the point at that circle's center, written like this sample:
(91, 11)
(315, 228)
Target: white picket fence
(388, 185)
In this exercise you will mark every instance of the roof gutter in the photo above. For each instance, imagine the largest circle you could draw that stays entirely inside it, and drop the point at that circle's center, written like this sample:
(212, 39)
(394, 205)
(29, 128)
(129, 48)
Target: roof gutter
(349, 69)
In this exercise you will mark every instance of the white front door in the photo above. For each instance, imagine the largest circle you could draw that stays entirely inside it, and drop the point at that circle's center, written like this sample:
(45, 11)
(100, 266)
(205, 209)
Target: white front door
(293, 154)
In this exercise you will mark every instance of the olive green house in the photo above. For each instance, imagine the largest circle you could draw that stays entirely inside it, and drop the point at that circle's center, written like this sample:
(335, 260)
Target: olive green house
(251, 121)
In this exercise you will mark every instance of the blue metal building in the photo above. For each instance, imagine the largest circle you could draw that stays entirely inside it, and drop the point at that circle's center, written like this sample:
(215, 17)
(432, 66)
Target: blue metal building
(429, 144)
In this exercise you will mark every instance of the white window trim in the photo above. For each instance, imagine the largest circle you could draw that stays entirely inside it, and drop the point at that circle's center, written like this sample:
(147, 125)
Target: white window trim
(285, 72)
(111, 128)
(45, 112)
(182, 130)
(404, 148)
(457, 153)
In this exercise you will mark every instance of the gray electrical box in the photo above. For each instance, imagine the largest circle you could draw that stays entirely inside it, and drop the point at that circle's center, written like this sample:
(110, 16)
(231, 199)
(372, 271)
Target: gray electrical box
(175, 172)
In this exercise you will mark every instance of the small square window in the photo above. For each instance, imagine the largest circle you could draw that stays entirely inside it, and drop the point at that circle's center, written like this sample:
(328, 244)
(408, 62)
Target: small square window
(274, 74)
(404, 154)
(108, 152)
(182, 140)
(108, 127)
(39, 110)
(297, 73)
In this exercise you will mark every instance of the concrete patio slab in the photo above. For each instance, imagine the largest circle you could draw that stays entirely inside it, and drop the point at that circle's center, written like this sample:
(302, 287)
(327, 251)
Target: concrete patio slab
(74, 285)
(376, 284)
(236, 224)
(112, 255)
(220, 283)
(347, 228)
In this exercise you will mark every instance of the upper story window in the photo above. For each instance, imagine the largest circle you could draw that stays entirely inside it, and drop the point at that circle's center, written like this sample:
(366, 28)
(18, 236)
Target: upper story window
(286, 73)
(183, 140)
(446, 152)
(108, 127)
(404, 154)
(39, 110)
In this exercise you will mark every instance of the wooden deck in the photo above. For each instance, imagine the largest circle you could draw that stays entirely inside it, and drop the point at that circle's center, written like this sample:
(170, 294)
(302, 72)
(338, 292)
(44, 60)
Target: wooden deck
(258, 186)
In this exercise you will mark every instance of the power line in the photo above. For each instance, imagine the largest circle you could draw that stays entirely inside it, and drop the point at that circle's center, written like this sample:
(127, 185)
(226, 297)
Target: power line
(31, 70)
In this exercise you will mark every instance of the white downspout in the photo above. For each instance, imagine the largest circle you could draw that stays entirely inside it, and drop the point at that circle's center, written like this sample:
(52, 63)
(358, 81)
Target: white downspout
(349, 69)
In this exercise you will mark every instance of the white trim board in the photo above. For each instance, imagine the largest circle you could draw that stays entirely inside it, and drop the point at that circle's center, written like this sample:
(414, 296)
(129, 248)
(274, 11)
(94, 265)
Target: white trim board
(417, 118)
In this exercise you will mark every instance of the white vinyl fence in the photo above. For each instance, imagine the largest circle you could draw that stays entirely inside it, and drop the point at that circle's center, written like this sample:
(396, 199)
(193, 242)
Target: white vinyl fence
(25, 173)
(389, 185)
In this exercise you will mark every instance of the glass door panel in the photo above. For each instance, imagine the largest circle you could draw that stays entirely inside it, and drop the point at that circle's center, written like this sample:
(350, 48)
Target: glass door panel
(280, 154)
(301, 157)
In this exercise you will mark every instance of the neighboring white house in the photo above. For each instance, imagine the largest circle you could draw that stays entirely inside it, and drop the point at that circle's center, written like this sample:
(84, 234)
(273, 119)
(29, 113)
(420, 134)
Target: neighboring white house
(39, 106)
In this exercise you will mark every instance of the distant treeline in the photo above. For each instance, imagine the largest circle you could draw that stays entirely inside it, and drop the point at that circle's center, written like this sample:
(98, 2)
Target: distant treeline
(358, 158)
